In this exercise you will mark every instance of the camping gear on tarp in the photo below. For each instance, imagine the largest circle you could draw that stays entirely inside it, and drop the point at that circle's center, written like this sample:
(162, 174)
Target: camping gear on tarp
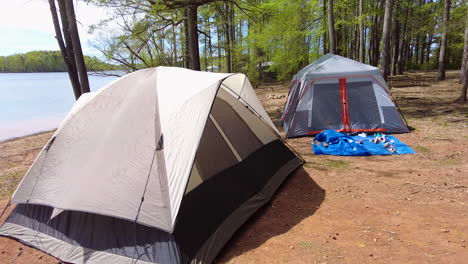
(341, 94)
(331, 142)
(161, 166)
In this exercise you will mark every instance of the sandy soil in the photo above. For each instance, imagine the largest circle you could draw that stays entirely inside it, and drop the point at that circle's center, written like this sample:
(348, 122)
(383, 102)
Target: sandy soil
(379, 209)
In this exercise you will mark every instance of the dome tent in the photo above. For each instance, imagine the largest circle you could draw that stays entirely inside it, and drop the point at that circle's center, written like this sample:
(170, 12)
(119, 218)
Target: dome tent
(338, 93)
(161, 166)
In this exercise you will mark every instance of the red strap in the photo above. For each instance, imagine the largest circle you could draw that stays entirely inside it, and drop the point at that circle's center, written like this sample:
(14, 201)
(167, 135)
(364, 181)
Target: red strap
(344, 104)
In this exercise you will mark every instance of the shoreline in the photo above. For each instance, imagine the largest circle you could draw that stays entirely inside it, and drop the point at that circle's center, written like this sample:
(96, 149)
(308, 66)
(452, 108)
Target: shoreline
(26, 136)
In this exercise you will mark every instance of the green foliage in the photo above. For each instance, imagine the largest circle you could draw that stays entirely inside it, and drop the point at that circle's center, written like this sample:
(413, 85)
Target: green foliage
(271, 40)
(283, 37)
(47, 61)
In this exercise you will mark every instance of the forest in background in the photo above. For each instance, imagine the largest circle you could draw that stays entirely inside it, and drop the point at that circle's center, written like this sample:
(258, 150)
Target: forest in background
(272, 39)
(47, 61)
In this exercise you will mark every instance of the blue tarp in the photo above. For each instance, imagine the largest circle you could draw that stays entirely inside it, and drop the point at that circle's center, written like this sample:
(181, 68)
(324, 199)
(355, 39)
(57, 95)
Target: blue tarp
(330, 142)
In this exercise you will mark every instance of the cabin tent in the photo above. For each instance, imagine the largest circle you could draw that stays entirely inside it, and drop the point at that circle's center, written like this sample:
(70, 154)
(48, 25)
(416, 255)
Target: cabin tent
(338, 93)
(161, 166)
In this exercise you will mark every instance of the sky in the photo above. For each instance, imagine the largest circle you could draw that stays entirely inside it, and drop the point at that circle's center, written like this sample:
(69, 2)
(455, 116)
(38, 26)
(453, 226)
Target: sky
(26, 25)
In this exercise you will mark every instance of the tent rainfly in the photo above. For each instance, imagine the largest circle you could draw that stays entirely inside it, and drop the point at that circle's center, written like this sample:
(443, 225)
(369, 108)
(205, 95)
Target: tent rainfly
(161, 166)
(338, 93)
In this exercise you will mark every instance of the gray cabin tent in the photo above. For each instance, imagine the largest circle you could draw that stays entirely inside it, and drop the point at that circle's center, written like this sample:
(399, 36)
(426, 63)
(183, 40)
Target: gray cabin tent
(338, 93)
(161, 166)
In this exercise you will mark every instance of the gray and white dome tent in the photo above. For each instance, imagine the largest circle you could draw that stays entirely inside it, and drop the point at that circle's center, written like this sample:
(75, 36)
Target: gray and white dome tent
(161, 166)
(338, 93)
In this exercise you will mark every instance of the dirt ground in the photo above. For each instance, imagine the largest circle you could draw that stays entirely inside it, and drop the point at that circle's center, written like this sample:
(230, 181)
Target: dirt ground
(378, 209)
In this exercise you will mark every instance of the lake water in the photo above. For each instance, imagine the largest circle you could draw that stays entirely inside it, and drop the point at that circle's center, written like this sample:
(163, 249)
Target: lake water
(35, 102)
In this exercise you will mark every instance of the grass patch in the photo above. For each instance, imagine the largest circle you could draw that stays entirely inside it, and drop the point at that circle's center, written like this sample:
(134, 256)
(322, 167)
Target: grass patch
(422, 149)
(315, 166)
(329, 164)
(449, 161)
(305, 244)
(337, 164)
(9, 182)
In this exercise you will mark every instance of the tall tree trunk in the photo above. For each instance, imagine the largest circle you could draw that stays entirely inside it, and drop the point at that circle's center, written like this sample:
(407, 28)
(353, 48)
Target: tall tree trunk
(465, 53)
(219, 48)
(75, 38)
(174, 46)
(362, 54)
(72, 74)
(376, 34)
(356, 43)
(464, 67)
(331, 27)
(210, 45)
(205, 51)
(193, 49)
(239, 39)
(228, 50)
(409, 54)
(416, 48)
(423, 49)
(185, 43)
(428, 46)
(232, 31)
(67, 36)
(396, 47)
(402, 44)
(325, 51)
(228, 37)
(443, 44)
(385, 56)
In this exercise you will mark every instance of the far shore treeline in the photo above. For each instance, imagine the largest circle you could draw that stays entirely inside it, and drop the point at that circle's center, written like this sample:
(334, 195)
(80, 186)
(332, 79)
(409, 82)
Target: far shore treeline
(47, 61)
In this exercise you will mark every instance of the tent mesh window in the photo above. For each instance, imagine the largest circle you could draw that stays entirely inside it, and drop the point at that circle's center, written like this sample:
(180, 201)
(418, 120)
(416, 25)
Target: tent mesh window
(363, 108)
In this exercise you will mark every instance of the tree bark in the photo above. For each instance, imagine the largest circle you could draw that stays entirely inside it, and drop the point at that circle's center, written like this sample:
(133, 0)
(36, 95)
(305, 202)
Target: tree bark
(423, 49)
(385, 56)
(228, 37)
(356, 43)
(174, 46)
(210, 46)
(185, 44)
(443, 44)
(362, 55)
(75, 38)
(464, 68)
(193, 50)
(233, 35)
(428, 46)
(72, 74)
(465, 53)
(66, 35)
(402, 44)
(205, 50)
(396, 48)
(331, 27)
(324, 27)
(219, 48)
(376, 34)
(416, 49)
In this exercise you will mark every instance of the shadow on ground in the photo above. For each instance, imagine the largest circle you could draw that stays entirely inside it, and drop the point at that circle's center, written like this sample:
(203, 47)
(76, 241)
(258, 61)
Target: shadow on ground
(298, 198)
(418, 108)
